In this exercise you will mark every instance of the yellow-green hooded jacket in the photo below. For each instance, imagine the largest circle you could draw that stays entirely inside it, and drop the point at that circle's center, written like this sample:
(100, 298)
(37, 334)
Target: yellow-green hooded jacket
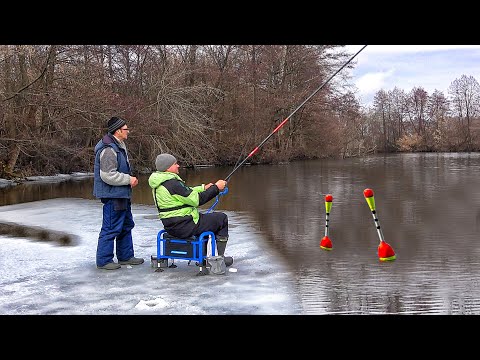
(175, 200)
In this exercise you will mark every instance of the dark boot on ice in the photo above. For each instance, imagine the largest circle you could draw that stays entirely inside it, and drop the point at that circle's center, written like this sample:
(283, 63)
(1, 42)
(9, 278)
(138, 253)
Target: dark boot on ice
(221, 246)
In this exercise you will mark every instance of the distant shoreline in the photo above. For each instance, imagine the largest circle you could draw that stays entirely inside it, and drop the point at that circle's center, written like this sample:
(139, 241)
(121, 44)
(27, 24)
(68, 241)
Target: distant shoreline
(54, 178)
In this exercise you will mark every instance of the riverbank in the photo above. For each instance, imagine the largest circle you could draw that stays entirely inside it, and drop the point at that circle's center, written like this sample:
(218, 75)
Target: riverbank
(46, 179)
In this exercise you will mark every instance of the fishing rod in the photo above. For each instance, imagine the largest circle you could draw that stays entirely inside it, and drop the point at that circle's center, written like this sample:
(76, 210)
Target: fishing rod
(289, 116)
(225, 191)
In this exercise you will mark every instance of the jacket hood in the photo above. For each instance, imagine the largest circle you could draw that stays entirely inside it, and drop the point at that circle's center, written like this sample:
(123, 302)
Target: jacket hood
(158, 177)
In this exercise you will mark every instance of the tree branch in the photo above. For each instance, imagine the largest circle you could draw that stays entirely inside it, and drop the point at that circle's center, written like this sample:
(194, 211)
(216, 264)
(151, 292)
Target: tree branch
(38, 78)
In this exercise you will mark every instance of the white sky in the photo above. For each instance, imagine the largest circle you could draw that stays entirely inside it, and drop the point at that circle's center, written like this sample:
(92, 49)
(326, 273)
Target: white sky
(44, 278)
(408, 66)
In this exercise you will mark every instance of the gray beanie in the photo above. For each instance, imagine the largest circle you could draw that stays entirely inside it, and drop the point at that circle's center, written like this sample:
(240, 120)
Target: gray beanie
(164, 161)
(114, 124)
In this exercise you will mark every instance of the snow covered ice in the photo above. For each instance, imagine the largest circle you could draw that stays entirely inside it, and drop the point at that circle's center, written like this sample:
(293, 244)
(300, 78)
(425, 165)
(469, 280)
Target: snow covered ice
(40, 277)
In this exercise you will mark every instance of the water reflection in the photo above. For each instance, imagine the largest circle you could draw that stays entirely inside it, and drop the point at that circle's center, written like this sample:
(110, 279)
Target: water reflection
(427, 204)
(35, 191)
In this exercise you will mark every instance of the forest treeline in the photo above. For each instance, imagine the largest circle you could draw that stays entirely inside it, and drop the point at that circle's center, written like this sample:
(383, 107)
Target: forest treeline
(211, 104)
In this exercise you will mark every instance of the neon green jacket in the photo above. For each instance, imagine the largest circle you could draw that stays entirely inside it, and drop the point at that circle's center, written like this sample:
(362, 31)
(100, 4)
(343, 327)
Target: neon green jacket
(174, 198)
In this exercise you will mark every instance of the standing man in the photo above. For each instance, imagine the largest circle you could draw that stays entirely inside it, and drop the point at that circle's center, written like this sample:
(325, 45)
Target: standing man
(113, 185)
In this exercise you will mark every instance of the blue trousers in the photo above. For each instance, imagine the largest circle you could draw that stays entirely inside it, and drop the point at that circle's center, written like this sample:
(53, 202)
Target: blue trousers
(117, 225)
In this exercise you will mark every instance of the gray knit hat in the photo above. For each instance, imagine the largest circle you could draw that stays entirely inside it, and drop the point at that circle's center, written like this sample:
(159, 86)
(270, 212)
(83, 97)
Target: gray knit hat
(114, 124)
(164, 161)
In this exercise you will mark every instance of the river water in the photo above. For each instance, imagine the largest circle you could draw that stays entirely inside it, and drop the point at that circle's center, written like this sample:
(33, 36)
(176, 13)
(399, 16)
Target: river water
(427, 205)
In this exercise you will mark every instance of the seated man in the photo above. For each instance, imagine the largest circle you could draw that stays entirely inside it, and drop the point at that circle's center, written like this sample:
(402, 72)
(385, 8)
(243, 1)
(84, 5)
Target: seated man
(178, 204)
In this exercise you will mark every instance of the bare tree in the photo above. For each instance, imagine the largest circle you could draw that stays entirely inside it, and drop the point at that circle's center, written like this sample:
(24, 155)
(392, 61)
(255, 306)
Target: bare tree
(465, 93)
(381, 105)
(438, 110)
(397, 99)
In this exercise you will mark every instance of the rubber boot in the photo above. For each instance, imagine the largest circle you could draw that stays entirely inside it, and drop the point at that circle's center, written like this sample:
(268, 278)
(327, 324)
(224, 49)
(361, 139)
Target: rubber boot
(221, 246)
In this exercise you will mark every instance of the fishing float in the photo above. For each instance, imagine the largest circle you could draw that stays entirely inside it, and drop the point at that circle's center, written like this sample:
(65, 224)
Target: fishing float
(326, 243)
(385, 251)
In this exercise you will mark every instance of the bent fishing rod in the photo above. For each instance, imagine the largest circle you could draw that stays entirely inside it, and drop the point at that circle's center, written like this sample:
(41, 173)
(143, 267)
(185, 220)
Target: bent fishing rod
(225, 191)
(289, 116)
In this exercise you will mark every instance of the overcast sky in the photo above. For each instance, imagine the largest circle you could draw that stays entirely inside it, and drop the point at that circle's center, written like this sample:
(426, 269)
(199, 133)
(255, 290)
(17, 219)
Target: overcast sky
(408, 66)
